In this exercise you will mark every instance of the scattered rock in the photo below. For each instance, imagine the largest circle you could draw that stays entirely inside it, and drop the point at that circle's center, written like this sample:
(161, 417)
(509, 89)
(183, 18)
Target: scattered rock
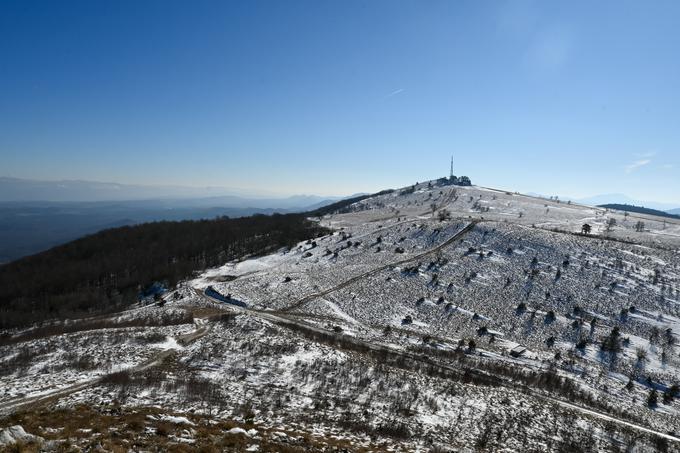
(16, 433)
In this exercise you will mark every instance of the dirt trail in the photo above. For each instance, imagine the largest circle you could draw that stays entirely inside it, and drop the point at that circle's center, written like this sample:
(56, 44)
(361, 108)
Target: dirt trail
(14, 404)
(299, 303)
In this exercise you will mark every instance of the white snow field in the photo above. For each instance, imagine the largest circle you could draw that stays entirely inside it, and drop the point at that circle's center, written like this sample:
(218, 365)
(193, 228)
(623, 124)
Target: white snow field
(431, 318)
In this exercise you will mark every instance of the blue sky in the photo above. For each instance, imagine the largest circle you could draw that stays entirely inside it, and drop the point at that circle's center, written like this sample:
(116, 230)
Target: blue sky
(572, 98)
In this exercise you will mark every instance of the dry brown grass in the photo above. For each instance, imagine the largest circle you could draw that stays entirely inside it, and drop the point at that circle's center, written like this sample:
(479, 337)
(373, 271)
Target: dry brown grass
(119, 429)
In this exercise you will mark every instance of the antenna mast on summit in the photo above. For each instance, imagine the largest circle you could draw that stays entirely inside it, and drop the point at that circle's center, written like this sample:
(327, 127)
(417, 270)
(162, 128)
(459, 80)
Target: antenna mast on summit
(451, 174)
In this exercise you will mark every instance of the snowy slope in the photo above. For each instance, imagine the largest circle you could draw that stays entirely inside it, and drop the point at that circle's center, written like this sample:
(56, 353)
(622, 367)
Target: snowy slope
(366, 335)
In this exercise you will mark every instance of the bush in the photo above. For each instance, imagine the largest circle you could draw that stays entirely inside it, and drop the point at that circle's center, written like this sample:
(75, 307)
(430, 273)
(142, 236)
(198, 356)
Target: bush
(550, 316)
(653, 398)
(151, 338)
(612, 343)
(394, 430)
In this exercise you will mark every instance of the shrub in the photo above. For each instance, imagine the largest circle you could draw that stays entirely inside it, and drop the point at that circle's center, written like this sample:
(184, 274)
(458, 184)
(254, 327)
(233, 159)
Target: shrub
(653, 398)
(550, 316)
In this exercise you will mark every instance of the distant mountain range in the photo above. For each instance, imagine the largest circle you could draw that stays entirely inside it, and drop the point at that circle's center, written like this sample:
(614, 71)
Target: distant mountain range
(37, 215)
(28, 190)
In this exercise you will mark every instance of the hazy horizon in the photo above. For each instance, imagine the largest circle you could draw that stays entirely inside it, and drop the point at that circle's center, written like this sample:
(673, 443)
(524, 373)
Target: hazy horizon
(168, 190)
(150, 192)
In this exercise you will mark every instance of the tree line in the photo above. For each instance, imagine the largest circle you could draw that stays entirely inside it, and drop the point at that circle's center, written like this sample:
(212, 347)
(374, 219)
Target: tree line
(106, 271)
(639, 210)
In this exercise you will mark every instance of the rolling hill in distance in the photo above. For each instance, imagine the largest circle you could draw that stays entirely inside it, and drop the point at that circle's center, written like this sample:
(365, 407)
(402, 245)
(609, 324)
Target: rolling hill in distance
(37, 215)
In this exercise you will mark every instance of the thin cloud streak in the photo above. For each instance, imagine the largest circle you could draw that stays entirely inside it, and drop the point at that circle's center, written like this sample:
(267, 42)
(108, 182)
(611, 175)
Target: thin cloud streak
(637, 164)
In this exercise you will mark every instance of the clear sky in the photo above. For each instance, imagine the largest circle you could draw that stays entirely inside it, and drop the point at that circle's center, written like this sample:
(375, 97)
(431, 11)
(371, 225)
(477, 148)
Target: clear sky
(336, 97)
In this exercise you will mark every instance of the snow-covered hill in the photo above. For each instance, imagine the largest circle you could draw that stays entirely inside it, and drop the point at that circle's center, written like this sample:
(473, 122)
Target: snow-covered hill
(433, 318)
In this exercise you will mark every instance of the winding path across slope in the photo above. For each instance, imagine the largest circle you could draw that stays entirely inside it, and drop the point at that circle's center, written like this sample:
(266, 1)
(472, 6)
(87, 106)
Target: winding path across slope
(14, 404)
(299, 303)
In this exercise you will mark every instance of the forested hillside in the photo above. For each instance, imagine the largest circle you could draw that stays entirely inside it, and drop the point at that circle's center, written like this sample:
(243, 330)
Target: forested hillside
(639, 210)
(106, 271)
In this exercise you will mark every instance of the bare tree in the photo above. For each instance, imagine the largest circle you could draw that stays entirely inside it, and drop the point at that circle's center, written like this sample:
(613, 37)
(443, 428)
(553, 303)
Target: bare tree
(611, 223)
